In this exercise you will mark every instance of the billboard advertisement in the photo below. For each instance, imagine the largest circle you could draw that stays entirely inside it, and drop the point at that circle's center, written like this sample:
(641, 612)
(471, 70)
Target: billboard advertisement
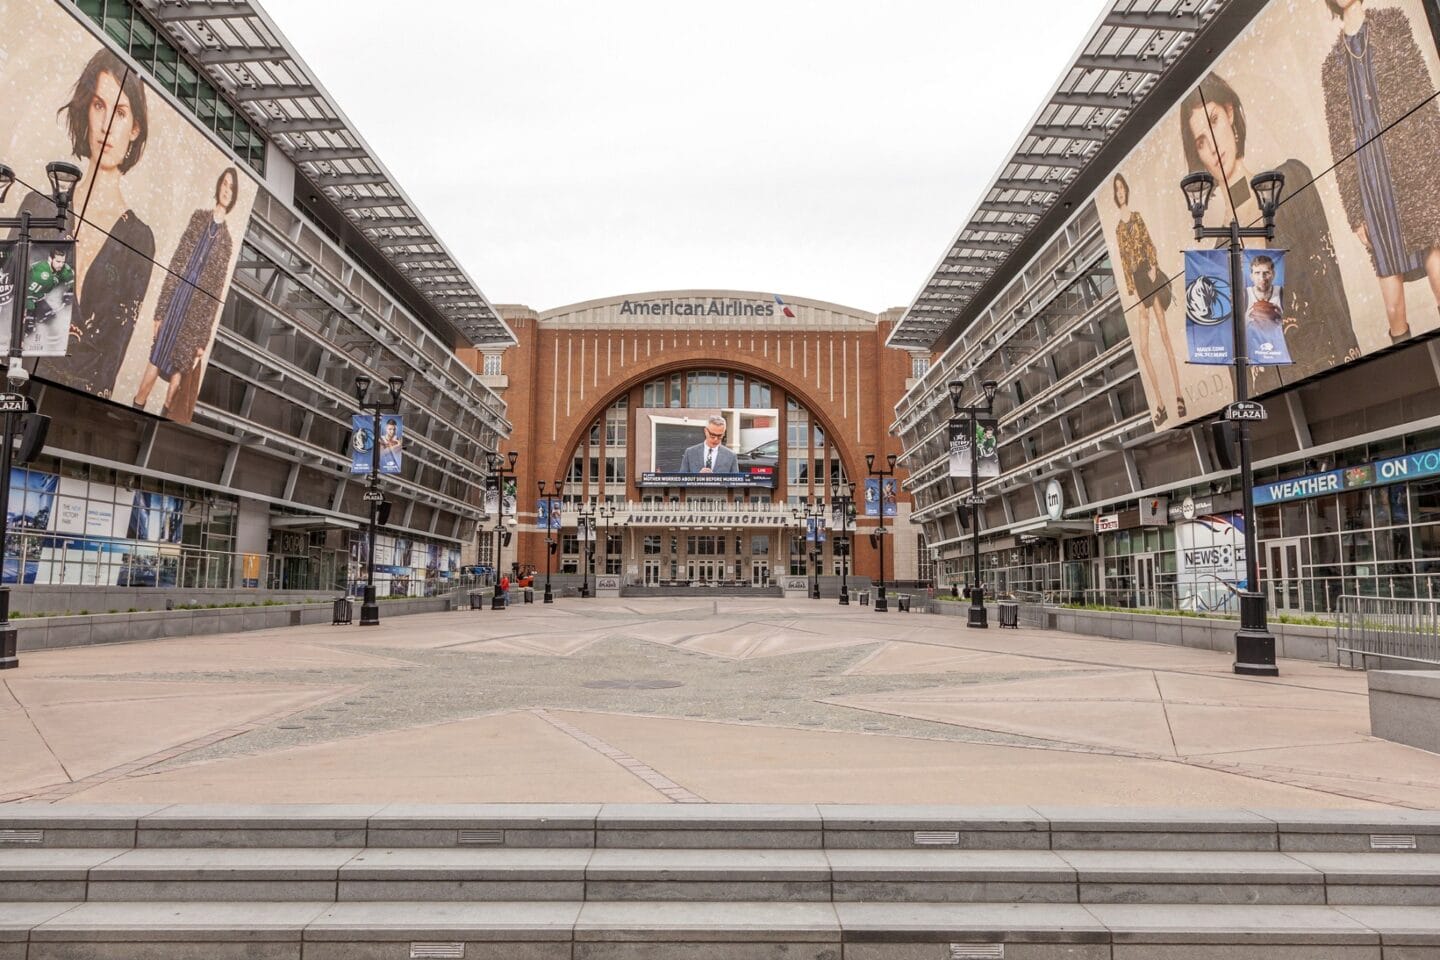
(362, 443)
(729, 447)
(1340, 99)
(986, 433)
(1210, 563)
(1209, 307)
(161, 211)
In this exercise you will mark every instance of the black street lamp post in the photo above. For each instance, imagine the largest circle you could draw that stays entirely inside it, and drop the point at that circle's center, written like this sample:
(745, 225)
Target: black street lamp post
(978, 618)
(880, 605)
(808, 513)
(550, 544)
(844, 495)
(1254, 644)
(369, 608)
(585, 527)
(501, 473)
(606, 514)
(63, 177)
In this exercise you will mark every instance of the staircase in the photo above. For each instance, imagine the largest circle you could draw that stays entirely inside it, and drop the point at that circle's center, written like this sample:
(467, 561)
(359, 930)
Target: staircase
(715, 882)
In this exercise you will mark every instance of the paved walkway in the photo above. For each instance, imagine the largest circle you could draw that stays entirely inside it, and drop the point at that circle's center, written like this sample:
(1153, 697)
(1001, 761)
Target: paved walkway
(690, 701)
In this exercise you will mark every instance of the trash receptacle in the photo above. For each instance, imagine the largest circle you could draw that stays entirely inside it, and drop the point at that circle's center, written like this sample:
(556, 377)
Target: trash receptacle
(1009, 614)
(342, 611)
(904, 602)
(529, 594)
(477, 600)
(864, 598)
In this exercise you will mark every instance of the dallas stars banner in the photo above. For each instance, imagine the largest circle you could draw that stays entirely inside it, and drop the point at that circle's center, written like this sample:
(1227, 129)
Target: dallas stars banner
(986, 440)
(48, 288)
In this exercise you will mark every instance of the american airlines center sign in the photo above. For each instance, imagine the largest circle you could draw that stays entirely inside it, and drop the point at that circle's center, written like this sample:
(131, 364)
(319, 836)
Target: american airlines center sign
(700, 307)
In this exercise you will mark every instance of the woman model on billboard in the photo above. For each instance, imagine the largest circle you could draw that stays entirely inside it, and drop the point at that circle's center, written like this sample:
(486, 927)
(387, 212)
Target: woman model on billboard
(1140, 265)
(1372, 77)
(1317, 314)
(189, 302)
(108, 124)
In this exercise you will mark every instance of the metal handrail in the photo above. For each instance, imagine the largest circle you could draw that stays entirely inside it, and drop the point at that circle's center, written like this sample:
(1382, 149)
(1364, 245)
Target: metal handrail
(1389, 628)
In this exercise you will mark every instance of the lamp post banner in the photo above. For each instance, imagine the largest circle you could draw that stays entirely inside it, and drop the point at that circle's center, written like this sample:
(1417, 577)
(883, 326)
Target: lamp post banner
(986, 441)
(362, 441)
(815, 529)
(48, 286)
(548, 513)
(878, 489)
(1209, 308)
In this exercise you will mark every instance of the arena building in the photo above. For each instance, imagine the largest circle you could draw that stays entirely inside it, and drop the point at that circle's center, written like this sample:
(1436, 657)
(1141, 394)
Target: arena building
(605, 395)
(243, 258)
(1066, 288)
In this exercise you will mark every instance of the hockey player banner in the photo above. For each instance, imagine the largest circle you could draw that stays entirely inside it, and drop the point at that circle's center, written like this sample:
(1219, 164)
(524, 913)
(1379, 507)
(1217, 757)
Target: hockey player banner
(47, 284)
(986, 441)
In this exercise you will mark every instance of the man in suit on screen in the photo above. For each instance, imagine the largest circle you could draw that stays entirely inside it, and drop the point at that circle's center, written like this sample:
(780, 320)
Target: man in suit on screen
(711, 455)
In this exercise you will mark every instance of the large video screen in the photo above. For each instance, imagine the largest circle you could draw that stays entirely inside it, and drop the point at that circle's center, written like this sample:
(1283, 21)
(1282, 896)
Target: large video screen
(160, 210)
(720, 447)
(1339, 96)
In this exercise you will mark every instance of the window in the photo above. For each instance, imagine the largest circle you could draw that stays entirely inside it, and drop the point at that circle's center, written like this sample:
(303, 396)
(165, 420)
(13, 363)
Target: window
(919, 366)
(492, 365)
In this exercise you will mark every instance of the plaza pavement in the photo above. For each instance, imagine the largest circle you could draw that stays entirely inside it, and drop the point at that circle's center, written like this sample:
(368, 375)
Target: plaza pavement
(690, 700)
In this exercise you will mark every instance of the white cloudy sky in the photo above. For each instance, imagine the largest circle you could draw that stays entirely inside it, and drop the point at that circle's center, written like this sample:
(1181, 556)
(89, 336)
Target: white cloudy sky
(567, 150)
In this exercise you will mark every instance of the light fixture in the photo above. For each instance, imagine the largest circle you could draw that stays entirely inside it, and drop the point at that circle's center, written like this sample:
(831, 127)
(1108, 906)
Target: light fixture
(990, 386)
(1197, 188)
(956, 387)
(514, 455)
(7, 180)
(1267, 187)
(63, 177)
(870, 461)
(890, 459)
(396, 385)
(362, 387)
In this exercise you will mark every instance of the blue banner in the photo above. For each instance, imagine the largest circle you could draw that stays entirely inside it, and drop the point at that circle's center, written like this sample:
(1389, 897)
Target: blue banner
(548, 513)
(1208, 307)
(362, 443)
(814, 530)
(874, 496)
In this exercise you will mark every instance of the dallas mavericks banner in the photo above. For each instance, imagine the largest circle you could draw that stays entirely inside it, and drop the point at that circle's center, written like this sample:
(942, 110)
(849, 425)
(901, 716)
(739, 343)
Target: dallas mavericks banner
(362, 443)
(548, 513)
(876, 493)
(1209, 299)
(815, 529)
(986, 441)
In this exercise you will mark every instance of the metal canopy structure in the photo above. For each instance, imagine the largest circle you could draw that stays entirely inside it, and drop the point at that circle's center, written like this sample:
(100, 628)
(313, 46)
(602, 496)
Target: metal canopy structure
(1128, 52)
(245, 54)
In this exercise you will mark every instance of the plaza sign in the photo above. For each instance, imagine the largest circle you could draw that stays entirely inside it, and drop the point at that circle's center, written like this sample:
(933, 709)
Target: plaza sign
(1411, 466)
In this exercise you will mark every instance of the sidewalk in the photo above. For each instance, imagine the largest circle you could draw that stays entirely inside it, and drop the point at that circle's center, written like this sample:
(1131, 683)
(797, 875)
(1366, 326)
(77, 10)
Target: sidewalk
(688, 700)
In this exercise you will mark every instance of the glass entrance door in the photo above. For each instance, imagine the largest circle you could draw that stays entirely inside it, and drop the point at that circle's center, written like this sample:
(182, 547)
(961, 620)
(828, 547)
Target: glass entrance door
(1281, 575)
(1145, 580)
(652, 572)
(760, 572)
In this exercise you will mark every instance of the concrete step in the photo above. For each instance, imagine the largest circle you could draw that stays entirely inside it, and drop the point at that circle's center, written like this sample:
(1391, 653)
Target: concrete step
(716, 826)
(570, 930)
(559, 874)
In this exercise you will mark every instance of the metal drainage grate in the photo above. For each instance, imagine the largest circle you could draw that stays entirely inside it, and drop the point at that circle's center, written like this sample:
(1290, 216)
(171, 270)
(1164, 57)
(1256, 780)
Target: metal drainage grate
(937, 838)
(437, 951)
(1391, 841)
(22, 836)
(977, 951)
(489, 838)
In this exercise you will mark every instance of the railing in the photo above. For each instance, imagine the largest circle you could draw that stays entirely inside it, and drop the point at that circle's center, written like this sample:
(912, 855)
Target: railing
(1390, 628)
(1032, 607)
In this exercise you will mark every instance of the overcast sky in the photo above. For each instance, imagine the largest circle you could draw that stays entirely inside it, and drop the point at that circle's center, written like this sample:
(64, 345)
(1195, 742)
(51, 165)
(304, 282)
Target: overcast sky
(569, 150)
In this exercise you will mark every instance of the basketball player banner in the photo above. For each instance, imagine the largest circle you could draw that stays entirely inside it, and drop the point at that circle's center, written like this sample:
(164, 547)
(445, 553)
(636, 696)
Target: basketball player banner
(1209, 299)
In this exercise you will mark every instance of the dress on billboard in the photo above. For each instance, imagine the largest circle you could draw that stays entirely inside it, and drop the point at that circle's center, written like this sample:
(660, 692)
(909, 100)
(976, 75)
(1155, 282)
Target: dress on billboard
(189, 303)
(1322, 336)
(1139, 262)
(1371, 80)
(108, 304)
